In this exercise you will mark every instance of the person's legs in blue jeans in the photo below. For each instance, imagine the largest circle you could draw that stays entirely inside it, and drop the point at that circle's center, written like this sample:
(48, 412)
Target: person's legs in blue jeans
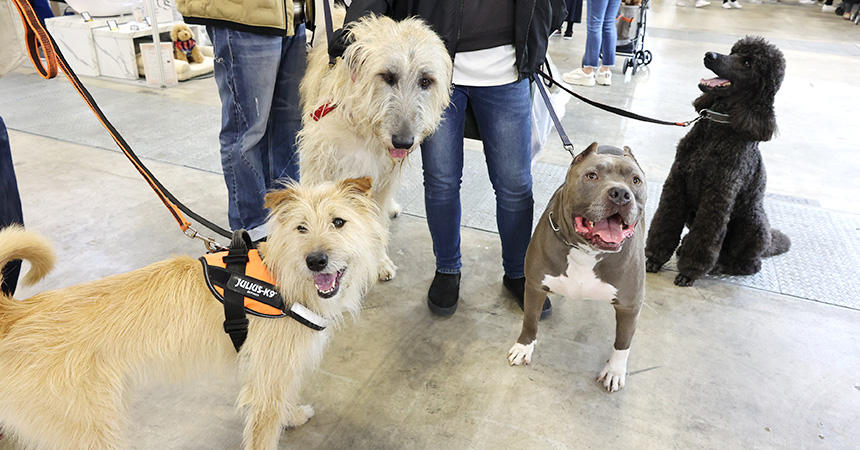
(248, 67)
(609, 33)
(504, 118)
(595, 12)
(10, 207)
(442, 158)
(285, 120)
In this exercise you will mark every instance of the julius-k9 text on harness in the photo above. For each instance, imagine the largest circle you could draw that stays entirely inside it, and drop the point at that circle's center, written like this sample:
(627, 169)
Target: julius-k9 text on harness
(239, 279)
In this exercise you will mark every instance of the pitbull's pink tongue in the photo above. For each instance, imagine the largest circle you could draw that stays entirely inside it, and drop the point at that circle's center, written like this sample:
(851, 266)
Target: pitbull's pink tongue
(397, 153)
(324, 281)
(609, 230)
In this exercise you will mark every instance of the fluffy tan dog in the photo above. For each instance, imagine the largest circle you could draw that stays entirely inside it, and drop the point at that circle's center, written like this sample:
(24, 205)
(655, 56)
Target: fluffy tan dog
(68, 356)
(366, 114)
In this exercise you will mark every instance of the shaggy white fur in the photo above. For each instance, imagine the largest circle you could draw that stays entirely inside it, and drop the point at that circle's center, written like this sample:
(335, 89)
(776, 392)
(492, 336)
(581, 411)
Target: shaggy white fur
(391, 87)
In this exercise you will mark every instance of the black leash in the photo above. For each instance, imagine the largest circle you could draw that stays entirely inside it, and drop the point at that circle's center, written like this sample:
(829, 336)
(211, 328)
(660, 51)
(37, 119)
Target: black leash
(611, 109)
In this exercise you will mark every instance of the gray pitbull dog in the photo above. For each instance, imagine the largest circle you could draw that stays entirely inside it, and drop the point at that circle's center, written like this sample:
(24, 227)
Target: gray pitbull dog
(590, 243)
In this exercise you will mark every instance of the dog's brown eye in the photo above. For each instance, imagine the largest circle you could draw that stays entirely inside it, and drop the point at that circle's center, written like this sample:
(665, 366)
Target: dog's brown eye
(637, 180)
(338, 222)
(301, 229)
(591, 175)
(389, 78)
(425, 83)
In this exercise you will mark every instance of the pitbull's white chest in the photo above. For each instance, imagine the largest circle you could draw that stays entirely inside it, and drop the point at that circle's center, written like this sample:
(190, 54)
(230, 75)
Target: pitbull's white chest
(579, 281)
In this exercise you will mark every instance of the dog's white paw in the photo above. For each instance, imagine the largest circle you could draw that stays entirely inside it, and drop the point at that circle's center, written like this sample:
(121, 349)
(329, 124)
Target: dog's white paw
(387, 269)
(614, 374)
(299, 416)
(521, 354)
(394, 209)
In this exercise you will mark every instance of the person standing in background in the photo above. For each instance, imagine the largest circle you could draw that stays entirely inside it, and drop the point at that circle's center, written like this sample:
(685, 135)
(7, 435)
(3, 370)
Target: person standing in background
(599, 45)
(574, 15)
(260, 58)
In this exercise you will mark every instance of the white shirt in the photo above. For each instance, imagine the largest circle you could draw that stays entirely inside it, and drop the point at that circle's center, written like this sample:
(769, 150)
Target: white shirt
(489, 67)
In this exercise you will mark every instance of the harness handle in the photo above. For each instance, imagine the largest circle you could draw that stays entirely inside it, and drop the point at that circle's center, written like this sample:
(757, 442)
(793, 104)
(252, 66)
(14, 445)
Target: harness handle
(38, 38)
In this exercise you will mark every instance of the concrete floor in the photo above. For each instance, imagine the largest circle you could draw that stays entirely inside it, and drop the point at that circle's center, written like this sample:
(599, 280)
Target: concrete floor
(713, 366)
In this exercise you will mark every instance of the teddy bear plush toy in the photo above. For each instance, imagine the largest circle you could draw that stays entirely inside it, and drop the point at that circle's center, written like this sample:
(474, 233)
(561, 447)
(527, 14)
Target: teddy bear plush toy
(184, 46)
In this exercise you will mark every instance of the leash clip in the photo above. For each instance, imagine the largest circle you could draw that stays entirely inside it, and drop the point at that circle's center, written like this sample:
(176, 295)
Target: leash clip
(569, 148)
(211, 244)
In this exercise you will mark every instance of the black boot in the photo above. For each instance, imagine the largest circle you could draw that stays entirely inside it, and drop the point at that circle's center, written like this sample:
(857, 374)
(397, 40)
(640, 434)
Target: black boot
(568, 31)
(517, 286)
(444, 293)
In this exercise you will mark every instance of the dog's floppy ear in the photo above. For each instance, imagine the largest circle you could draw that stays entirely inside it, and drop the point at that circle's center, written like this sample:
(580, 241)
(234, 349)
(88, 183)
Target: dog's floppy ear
(591, 149)
(275, 198)
(357, 185)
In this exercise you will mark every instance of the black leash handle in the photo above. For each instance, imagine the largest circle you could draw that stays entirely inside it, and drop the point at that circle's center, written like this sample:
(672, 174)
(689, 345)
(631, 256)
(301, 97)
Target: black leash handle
(613, 109)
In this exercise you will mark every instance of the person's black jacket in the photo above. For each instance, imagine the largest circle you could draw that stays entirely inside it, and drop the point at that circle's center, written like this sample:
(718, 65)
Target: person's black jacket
(534, 21)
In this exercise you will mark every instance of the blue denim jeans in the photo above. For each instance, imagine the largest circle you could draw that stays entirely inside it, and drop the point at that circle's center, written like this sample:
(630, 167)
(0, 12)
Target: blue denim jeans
(10, 207)
(258, 81)
(503, 114)
(601, 32)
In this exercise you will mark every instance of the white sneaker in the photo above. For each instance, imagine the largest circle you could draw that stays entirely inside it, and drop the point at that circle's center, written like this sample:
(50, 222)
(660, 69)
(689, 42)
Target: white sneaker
(807, 2)
(604, 78)
(579, 77)
(701, 3)
(726, 5)
(736, 4)
(828, 8)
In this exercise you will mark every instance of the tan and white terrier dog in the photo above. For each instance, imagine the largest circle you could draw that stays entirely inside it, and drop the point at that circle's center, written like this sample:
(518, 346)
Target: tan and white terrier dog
(367, 113)
(68, 356)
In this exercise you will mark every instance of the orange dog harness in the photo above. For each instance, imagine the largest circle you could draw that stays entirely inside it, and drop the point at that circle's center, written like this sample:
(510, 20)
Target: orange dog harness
(239, 279)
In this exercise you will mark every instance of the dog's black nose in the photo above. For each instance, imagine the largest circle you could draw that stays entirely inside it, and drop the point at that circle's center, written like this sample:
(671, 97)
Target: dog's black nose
(402, 142)
(619, 195)
(711, 56)
(316, 261)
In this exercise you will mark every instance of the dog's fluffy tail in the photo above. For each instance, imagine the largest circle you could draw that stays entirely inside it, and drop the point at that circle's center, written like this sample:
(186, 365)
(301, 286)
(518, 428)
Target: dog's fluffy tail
(779, 243)
(17, 243)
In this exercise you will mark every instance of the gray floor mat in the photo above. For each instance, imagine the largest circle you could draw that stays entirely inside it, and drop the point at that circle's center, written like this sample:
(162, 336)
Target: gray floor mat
(822, 264)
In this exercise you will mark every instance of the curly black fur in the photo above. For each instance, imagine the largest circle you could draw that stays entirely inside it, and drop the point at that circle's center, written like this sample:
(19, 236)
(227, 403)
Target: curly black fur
(717, 182)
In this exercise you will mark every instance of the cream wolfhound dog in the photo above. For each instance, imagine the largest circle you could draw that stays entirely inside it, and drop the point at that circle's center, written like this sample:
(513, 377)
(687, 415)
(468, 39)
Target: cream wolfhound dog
(364, 116)
(68, 356)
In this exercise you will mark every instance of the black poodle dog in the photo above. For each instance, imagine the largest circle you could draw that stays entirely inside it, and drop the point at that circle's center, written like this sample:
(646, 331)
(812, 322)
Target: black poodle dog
(717, 182)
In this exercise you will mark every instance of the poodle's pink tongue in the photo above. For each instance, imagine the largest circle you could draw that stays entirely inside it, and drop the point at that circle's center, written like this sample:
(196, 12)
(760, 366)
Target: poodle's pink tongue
(397, 153)
(324, 281)
(715, 82)
(609, 230)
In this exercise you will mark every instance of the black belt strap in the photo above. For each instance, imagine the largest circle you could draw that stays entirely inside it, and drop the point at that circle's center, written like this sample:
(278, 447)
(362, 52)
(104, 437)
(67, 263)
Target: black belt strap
(235, 322)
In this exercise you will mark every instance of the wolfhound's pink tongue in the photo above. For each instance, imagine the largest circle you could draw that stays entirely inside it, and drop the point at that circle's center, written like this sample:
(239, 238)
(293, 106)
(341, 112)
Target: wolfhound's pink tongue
(324, 281)
(397, 153)
(609, 230)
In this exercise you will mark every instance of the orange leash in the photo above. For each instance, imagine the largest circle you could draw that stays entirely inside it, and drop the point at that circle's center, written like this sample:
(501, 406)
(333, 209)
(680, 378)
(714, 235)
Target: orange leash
(37, 37)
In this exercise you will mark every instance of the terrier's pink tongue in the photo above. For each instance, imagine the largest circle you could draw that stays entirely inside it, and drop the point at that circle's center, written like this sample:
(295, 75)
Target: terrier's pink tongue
(609, 230)
(397, 153)
(324, 281)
